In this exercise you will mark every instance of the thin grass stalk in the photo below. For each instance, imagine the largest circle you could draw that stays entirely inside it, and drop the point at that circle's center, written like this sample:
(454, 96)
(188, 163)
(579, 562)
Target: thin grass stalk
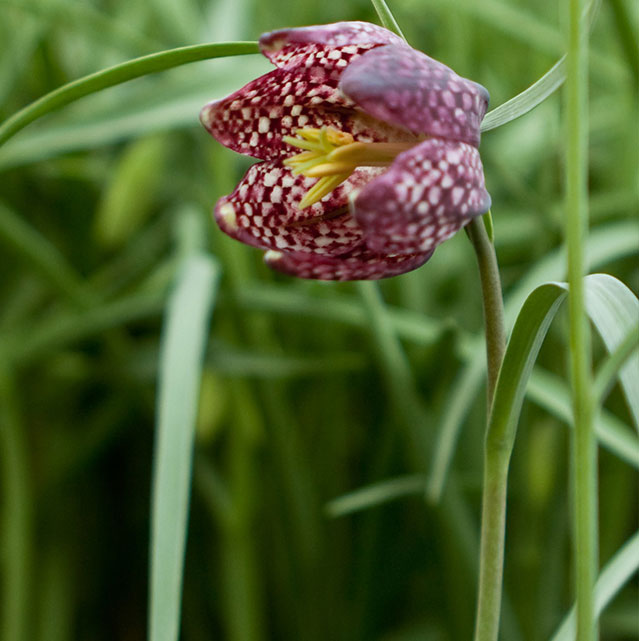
(584, 451)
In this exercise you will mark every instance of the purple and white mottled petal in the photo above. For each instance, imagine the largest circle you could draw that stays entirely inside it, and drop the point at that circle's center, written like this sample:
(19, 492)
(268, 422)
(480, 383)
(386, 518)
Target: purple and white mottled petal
(359, 264)
(286, 48)
(428, 194)
(253, 120)
(263, 212)
(400, 85)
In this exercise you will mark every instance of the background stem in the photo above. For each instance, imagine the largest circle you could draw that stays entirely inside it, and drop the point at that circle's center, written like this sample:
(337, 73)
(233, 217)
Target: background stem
(584, 445)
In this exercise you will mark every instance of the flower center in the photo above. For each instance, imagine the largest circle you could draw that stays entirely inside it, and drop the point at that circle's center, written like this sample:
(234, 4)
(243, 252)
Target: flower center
(332, 156)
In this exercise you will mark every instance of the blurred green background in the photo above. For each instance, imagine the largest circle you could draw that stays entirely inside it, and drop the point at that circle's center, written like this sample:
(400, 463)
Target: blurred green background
(309, 390)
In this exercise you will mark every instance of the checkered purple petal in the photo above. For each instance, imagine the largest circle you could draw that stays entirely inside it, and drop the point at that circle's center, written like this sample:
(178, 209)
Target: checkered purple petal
(400, 85)
(253, 120)
(263, 212)
(288, 48)
(359, 264)
(427, 195)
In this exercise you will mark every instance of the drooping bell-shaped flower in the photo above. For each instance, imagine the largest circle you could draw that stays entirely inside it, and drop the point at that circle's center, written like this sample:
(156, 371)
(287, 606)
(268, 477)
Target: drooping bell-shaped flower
(368, 149)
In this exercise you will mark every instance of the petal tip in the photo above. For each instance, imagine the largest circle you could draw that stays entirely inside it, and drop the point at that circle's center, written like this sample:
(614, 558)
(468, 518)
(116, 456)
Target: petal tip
(272, 256)
(272, 41)
(226, 217)
(208, 113)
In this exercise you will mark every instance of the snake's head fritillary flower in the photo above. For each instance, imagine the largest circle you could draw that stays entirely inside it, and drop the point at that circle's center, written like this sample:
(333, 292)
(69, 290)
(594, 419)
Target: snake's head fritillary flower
(368, 149)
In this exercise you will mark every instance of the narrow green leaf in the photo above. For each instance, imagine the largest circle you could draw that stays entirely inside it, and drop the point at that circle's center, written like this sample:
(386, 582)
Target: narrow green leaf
(235, 362)
(528, 99)
(373, 495)
(609, 369)
(118, 74)
(626, 24)
(386, 17)
(604, 244)
(535, 94)
(613, 577)
(614, 311)
(183, 344)
(525, 342)
(131, 111)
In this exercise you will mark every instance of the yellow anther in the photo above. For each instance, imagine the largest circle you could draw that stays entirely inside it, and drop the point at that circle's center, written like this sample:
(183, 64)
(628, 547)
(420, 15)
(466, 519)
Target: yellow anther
(322, 187)
(332, 156)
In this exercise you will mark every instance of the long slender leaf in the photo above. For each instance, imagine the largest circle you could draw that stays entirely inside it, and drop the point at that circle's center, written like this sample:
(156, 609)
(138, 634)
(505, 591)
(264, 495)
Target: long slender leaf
(527, 100)
(117, 75)
(183, 344)
(614, 310)
(609, 370)
(129, 111)
(612, 578)
(373, 495)
(525, 341)
(386, 17)
(604, 245)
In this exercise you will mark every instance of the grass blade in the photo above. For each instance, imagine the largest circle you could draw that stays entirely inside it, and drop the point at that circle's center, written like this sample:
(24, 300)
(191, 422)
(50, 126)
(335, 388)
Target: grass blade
(183, 345)
(374, 495)
(525, 342)
(386, 17)
(612, 578)
(528, 99)
(614, 310)
(609, 370)
(116, 75)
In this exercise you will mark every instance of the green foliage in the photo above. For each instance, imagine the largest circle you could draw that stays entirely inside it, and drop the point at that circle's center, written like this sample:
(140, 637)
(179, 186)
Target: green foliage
(338, 450)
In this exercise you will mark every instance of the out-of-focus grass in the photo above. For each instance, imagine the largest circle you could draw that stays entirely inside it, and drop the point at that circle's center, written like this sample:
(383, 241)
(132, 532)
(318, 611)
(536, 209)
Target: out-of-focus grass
(310, 391)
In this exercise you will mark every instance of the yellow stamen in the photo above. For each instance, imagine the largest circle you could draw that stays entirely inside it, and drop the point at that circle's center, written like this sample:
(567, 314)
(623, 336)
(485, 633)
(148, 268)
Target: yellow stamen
(328, 169)
(332, 156)
(322, 187)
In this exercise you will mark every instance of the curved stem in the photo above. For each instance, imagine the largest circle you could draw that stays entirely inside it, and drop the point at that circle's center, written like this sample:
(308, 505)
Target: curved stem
(116, 75)
(492, 300)
(496, 459)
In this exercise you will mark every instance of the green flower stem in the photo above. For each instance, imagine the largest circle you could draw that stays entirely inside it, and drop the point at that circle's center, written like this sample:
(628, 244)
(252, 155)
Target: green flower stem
(491, 552)
(118, 74)
(584, 451)
(492, 299)
(497, 452)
